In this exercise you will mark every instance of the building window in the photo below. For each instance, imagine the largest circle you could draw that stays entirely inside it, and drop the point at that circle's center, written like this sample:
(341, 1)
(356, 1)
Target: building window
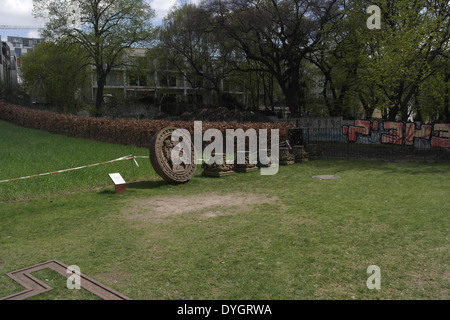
(114, 79)
(143, 80)
(18, 51)
(138, 80)
(133, 80)
(172, 81)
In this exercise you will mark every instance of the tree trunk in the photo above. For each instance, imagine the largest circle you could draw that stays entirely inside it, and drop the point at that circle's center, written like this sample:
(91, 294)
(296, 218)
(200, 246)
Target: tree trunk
(393, 113)
(404, 109)
(268, 92)
(291, 94)
(291, 101)
(368, 108)
(101, 81)
(219, 95)
(418, 116)
(447, 99)
(194, 99)
(338, 104)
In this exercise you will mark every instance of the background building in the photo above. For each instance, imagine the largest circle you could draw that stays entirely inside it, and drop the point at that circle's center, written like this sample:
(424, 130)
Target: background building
(21, 46)
(1, 61)
(158, 84)
(8, 75)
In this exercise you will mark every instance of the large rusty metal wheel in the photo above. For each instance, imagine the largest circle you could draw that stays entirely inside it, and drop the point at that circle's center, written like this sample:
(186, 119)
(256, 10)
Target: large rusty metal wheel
(160, 157)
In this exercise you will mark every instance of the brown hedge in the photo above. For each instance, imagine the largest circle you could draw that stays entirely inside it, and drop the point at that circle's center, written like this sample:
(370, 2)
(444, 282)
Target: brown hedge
(119, 131)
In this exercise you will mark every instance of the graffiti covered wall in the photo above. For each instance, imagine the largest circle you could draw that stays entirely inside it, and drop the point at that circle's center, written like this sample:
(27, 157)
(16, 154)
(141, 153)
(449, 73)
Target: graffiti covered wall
(397, 133)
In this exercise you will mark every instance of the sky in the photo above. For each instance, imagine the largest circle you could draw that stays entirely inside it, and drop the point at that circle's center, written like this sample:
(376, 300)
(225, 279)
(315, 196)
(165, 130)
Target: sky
(19, 13)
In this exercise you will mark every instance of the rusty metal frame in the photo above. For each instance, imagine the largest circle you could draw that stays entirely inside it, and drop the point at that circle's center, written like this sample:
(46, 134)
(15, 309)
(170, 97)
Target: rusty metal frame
(34, 286)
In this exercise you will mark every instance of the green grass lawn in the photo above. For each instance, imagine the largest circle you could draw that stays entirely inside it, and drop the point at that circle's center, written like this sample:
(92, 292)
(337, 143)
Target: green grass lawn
(295, 238)
(26, 152)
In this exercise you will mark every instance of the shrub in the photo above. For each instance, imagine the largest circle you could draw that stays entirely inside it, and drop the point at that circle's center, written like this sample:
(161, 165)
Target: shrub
(119, 131)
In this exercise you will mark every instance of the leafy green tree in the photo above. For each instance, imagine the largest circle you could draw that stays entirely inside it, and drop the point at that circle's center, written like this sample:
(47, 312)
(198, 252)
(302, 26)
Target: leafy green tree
(433, 97)
(107, 29)
(196, 48)
(56, 73)
(400, 56)
(338, 57)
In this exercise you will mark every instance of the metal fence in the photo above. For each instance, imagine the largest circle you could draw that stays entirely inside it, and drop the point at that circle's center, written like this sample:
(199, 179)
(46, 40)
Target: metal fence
(331, 143)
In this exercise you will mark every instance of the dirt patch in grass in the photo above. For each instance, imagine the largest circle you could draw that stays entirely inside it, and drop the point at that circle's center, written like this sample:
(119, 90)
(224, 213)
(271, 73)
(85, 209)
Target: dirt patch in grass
(209, 206)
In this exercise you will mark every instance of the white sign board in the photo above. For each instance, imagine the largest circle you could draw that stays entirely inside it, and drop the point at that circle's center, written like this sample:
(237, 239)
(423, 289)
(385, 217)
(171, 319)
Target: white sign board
(117, 178)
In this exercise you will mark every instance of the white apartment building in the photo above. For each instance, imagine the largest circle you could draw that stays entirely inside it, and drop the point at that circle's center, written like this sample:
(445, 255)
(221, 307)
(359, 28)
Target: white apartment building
(20, 46)
(159, 82)
(8, 64)
(23, 45)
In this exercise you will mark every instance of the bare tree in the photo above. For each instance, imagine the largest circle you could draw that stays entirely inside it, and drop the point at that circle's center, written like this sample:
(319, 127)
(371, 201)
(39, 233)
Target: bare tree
(277, 35)
(195, 48)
